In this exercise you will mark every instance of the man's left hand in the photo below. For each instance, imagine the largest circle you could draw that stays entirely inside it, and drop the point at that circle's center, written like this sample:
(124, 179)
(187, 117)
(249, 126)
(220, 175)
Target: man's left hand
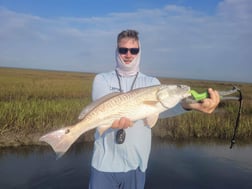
(207, 105)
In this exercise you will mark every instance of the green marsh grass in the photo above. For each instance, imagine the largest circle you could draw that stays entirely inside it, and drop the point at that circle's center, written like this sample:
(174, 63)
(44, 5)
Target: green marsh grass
(33, 102)
(218, 125)
(36, 101)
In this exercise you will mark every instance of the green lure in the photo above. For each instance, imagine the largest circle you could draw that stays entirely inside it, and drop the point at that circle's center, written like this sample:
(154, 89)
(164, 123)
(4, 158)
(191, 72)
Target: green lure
(199, 96)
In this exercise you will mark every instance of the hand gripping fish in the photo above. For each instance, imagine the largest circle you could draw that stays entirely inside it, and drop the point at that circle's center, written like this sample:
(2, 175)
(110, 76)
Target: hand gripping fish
(139, 104)
(197, 97)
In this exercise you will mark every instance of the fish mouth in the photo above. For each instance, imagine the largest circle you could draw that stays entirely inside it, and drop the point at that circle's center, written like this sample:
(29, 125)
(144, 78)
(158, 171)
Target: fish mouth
(184, 87)
(187, 90)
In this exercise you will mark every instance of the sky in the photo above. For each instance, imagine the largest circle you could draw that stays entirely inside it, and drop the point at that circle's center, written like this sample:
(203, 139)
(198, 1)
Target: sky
(205, 40)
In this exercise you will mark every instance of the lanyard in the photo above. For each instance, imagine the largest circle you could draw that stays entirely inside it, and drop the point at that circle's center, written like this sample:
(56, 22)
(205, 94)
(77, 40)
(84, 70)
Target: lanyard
(121, 134)
(119, 81)
(237, 118)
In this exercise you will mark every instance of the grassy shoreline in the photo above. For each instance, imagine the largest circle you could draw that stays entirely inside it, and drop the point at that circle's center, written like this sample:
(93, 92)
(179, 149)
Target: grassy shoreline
(33, 102)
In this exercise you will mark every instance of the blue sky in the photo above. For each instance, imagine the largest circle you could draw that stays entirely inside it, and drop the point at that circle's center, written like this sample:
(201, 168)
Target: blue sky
(208, 40)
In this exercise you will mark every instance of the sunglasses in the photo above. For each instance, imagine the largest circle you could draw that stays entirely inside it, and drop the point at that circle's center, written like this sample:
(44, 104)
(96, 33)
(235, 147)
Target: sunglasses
(123, 50)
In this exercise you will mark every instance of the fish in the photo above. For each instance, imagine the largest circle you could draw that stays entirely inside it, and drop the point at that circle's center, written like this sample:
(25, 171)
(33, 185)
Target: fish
(144, 103)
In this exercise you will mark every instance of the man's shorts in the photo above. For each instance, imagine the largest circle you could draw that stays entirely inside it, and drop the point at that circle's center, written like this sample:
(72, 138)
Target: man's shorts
(133, 179)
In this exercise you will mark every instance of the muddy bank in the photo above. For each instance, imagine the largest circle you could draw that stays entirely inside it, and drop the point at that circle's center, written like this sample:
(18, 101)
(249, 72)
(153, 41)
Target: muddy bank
(10, 139)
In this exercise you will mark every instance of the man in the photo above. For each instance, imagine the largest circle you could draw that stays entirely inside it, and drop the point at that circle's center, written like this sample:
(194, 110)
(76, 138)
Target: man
(121, 154)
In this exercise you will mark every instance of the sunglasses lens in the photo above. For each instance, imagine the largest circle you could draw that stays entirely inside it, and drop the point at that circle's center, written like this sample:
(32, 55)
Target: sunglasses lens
(122, 50)
(133, 51)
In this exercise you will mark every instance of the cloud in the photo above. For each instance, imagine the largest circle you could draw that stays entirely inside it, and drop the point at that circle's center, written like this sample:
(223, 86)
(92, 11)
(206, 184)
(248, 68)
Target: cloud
(177, 41)
(238, 10)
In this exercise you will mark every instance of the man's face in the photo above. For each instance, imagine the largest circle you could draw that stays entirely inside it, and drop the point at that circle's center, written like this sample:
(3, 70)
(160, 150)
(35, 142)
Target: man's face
(128, 43)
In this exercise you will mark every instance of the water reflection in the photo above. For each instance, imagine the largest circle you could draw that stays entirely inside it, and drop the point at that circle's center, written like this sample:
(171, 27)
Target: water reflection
(199, 165)
(36, 167)
(172, 165)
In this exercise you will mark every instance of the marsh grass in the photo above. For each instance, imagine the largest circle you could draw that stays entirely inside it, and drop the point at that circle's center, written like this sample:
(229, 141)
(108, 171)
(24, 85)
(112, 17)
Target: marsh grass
(36, 101)
(218, 125)
(33, 102)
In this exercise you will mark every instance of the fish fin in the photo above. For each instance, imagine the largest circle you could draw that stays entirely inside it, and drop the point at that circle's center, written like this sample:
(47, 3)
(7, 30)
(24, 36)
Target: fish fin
(151, 103)
(151, 120)
(60, 140)
(102, 129)
(95, 103)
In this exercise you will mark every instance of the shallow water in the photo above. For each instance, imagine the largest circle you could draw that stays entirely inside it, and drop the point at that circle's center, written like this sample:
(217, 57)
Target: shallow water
(172, 165)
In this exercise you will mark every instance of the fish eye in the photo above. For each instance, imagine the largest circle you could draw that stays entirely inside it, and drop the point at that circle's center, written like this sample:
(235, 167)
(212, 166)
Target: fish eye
(67, 131)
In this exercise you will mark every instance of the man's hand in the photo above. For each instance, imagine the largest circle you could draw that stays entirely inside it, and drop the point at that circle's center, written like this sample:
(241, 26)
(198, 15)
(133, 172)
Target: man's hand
(207, 105)
(122, 123)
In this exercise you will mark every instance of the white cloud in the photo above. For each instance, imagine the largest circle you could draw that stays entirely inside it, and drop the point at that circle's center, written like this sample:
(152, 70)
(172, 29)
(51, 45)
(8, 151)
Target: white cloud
(239, 10)
(177, 41)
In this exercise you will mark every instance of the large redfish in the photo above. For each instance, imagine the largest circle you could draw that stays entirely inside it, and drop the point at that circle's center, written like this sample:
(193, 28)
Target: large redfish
(139, 104)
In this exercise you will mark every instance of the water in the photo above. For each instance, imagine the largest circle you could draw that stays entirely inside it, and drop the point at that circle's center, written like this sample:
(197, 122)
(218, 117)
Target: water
(171, 165)
(200, 165)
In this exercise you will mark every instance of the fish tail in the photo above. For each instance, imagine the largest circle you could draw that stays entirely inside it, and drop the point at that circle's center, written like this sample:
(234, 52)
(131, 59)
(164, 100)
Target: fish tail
(60, 140)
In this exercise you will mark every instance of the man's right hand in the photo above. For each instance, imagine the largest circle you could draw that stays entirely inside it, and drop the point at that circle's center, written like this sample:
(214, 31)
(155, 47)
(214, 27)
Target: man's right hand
(122, 123)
